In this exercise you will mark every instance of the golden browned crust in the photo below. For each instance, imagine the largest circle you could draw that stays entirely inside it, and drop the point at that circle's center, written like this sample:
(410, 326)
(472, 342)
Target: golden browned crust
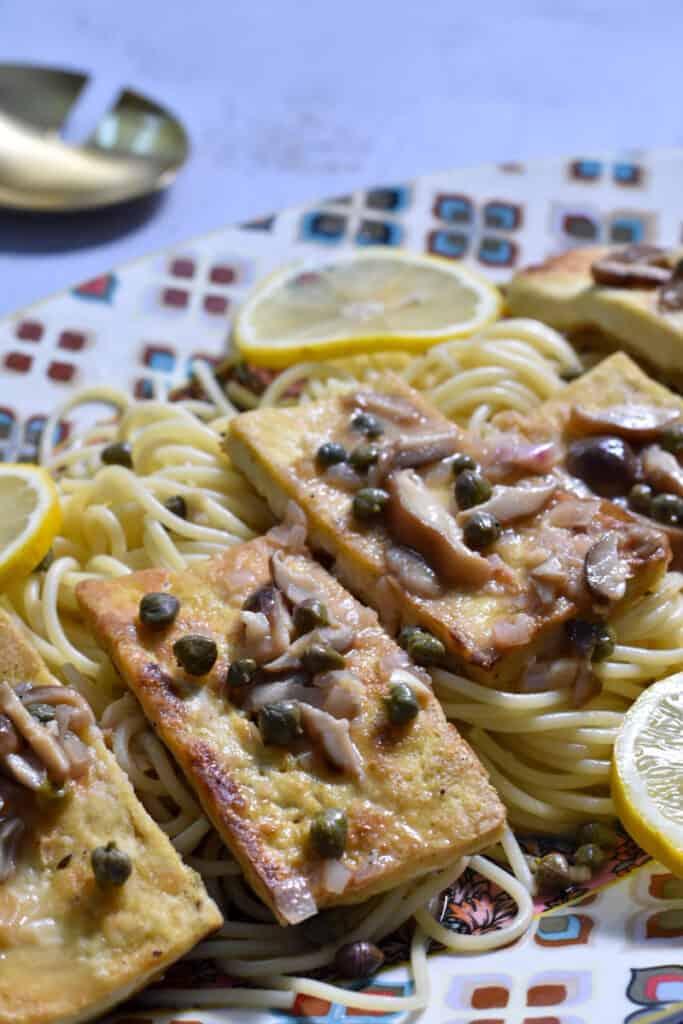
(424, 798)
(69, 950)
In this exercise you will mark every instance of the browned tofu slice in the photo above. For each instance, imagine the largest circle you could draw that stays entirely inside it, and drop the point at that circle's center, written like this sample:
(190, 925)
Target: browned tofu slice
(487, 608)
(69, 949)
(646, 322)
(415, 797)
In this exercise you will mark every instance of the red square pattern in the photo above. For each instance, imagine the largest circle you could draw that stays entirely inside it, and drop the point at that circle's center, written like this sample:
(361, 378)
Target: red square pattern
(74, 341)
(30, 330)
(215, 304)
(62, 372)
(176, 297)
(182, 267)
(18, 361)
(221, 274)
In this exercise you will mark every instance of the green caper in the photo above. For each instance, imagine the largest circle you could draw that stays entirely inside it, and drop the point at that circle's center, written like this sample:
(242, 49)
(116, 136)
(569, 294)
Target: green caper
(553, 872)
(369, 503)
(45, 562)
(330, 453)
(598, 833)
(196, 654)
(667, 509)
(322, 658)
(672, 438)
(158, 610)
(471, 488)
(401, 704)
(242, 672)
(329, 831)
(110, 865)
(594, 640)
(310, 614)
(461, 462)
(358, 959)
(364, 456)
(422, 647)
(481, 531)
(605, 641)
(280, 723)
(366, 423)
(592, 855)
(640, 498)
(43, 713)
(177, 505)
(117, 454)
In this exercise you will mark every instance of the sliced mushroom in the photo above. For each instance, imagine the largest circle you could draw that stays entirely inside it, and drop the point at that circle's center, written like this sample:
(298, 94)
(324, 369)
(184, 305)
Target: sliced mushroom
(342, 693)
(636, 266)
(412, 572)
(333, 736)
(663, 470)
(518, 454)
(11, 831)
(41, 742)
(510, 503)
(268, 601)
(391, 407)
(639, 423)
(291, 533)
(339, 637)
(293, 579)
(413, 451)
(292, 688)
(604, 571)
(417, 520)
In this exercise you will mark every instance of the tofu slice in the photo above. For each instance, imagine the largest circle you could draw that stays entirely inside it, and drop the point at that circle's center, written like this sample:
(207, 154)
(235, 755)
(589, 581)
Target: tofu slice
(420, 799)
(70, 950)
(275, 448)
(561, 292)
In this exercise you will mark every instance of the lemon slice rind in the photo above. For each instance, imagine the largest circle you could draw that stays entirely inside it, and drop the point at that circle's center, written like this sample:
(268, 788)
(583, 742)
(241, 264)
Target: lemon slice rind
(31, 514)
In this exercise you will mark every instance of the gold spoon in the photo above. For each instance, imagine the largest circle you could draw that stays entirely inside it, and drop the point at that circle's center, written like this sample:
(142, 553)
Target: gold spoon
(137, 148)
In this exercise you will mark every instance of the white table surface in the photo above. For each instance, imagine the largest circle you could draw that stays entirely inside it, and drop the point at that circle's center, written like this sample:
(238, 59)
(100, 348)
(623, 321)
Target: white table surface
(289, 100)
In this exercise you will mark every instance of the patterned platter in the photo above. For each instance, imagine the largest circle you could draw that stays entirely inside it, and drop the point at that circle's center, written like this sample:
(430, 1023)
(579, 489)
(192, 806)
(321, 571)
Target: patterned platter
(614, 954)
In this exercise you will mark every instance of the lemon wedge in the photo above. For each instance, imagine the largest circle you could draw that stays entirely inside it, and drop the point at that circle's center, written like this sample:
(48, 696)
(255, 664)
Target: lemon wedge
(362, 302)
(647, 772)
(30, 518)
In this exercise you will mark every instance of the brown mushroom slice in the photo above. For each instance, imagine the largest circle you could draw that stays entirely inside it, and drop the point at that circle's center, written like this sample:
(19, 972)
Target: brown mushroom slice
(663, 470)
(639, 423)
(391, 407)
(636, 266)
(338, 637)
(604, 571)
(411, 452)
(417, 520)
(510, 503)
(332, 734)
(412, 572)
(41, 742)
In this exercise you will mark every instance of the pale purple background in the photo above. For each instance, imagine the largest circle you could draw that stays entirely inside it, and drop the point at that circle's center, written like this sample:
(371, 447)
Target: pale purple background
(290, 100)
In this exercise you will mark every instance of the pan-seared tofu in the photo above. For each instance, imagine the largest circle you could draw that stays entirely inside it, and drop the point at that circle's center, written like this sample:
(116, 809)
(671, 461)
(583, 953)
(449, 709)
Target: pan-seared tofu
(414, 795)
(492, 609)
(561, 292)
(69, 948)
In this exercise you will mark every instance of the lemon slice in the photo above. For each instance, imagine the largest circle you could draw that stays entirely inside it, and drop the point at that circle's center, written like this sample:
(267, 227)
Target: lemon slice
(30, 517)
(362, 302)
(647, 772)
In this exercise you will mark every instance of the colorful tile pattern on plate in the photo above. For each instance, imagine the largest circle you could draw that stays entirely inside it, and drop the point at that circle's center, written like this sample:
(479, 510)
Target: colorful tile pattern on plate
(615, 954)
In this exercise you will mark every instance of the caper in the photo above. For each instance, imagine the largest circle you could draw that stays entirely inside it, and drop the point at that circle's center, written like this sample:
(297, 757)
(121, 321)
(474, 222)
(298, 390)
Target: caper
(552, 872)
(401, 704)
(592, 855)
(366, 423)
(481, 531)
(117, 454)
(330, 453)
(45, 562)
(280, 723)
(110, 865)
(196, 654)
(461, 462)
(667, 509)
(598, 833)
(177, 505)
(329, 831)
(310, 614)
(43, 713)
(242, 672)
(321, 658)
(471, 488)
(672, 438)
(424, 648)
(358, 959)
(369, 503)
(364, 456)
(158, 610)
(605, 641)
(407, 633)
(640, 498)
(594, 640)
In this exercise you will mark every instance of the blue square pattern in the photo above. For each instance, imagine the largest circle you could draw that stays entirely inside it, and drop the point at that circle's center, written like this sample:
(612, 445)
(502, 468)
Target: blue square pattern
(322, 226)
